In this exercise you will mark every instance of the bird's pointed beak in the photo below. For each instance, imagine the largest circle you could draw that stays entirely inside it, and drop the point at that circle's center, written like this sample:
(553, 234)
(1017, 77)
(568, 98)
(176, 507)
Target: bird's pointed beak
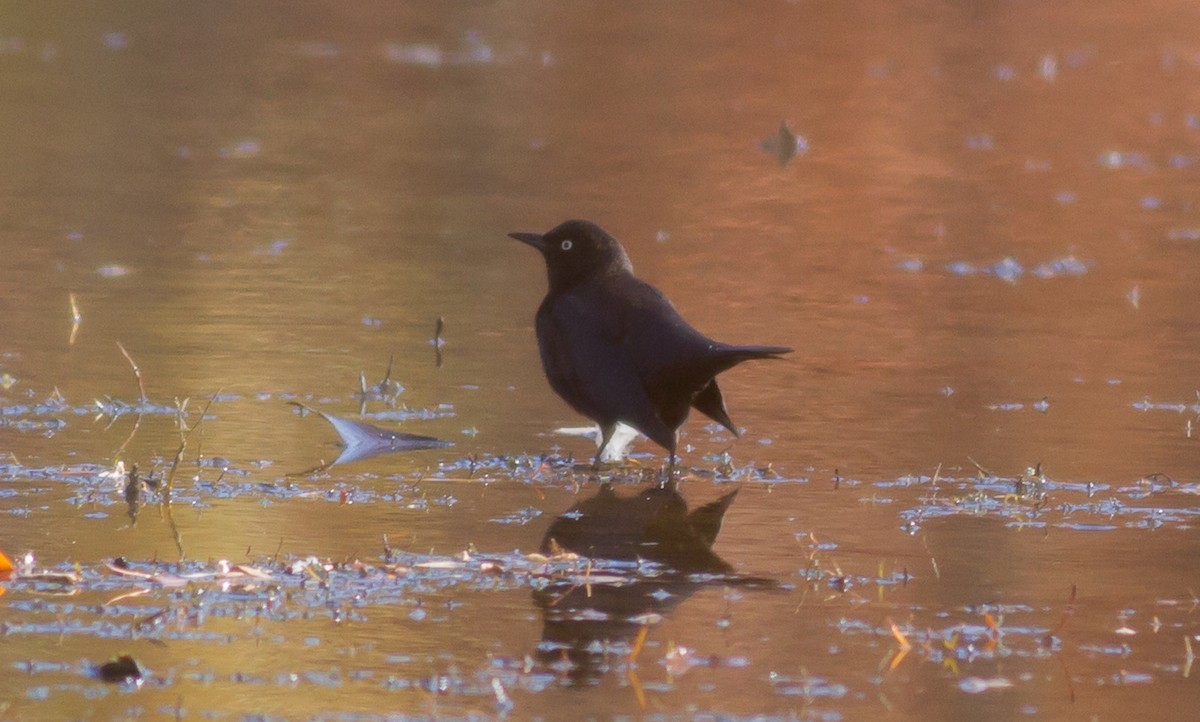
(533, 239)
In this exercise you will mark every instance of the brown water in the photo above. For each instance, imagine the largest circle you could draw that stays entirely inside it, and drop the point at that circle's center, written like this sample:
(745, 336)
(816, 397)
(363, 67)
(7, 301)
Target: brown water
(987, 255)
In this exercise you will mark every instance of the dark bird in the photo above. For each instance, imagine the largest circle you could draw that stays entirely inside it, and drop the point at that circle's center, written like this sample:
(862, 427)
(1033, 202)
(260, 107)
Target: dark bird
(615, 349)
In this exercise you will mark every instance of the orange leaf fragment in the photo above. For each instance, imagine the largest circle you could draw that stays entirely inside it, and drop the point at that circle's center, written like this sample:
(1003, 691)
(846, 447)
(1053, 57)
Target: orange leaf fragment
(991, 623)
(905, 645)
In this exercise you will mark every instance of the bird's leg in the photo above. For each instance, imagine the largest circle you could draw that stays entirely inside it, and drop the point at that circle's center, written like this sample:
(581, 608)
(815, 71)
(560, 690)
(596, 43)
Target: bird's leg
(606, 434)
(670, 478)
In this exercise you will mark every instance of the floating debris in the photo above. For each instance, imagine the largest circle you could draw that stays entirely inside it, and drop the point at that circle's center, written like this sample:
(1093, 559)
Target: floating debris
(425, 54)
(977, 685)
(115, 40)
(1048, 67)
(1006, 269)
(120, 670)
(363, 441)
(473, 50)
(1010, 270)
(980, 142)
(113, 270)
(1184, 234)
(1119, 159)
(1177, 406)
(784, 145)
(1065, 266)
(242, 149)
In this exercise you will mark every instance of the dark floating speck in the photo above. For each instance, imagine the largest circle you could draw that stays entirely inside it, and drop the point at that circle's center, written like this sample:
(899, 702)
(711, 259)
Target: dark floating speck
(784, 144)
(119, 670)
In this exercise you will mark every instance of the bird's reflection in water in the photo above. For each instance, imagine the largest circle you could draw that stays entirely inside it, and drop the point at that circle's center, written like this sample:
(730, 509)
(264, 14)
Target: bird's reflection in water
(657, 554)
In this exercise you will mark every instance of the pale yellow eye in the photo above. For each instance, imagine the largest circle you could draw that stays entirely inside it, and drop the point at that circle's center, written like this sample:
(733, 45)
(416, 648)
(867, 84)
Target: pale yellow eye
(566, 245)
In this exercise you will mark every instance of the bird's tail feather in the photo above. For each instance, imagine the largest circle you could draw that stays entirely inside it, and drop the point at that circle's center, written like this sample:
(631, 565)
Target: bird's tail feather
(749, 352)
(727, 357)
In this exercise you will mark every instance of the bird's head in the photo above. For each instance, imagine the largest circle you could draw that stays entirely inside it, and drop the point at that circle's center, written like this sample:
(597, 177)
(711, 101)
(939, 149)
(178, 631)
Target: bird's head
(576, 251)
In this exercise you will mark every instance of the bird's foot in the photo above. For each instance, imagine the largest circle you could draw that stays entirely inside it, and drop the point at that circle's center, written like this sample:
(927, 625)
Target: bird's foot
(669, 473)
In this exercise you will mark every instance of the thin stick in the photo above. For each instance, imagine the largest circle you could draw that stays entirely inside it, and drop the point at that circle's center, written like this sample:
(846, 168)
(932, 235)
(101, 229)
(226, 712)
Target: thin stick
(76, 318)
(437, 340)
(132, 432)
(1068, 612)
(184, 433)
(137, 372)
(982, 471)
(387, 376)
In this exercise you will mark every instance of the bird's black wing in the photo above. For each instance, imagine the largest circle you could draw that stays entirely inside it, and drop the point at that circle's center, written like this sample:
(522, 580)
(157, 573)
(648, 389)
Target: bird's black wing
(584, 342)
(676, 363)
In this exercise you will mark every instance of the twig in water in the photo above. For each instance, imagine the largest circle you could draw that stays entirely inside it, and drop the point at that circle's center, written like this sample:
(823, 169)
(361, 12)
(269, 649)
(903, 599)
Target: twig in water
(437, 339)
(387, 377)
(1066, 616)
(982, 471)
(137, 372)
(136, 423)
(362, 393)
(184, 433)
(76, 318)
(133, 493)
(638, 643)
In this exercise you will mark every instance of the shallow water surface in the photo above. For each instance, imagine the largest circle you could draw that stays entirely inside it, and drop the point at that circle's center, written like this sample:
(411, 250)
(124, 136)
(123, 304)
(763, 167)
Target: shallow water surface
(971, 492)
